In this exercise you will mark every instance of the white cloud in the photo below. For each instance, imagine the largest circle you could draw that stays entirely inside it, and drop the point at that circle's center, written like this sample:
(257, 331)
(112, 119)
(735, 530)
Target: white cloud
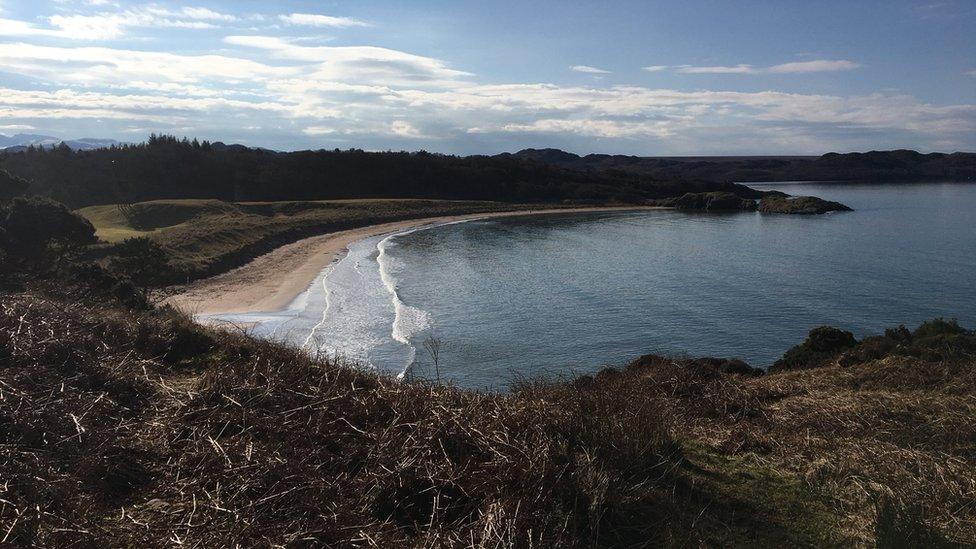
(97, 66)
(588, 69)
(655, 68)
(367, 94)
(316, 20)
(358, 64)
(111, 25)
(206, 14)
(16, 127)
(403, 128)
(13, 27)
(589, 128)
(737, 69)
(126, 104)
(971, 73)
(819, 65)
(319, 130)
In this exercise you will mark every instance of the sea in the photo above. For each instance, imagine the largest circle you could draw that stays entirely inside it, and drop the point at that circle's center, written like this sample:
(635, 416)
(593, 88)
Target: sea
(500, 300)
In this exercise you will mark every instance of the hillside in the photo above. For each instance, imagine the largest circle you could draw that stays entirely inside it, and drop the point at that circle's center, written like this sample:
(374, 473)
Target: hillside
(167, 168)
(139, 428)
(204, 237)
(122, 424)
(900, 165)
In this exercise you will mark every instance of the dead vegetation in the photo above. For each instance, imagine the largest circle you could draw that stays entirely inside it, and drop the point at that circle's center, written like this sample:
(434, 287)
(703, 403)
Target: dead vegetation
(893, 435)
(135, 430)
(140, 428)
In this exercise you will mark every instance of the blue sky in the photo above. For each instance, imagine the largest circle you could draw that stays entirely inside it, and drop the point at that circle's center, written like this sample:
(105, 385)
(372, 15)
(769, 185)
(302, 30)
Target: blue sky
(649, 78)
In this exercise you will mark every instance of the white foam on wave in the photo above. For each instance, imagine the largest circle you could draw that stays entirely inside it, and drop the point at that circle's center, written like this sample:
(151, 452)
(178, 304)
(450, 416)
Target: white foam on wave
(354, 313)
(407, 320)
(353, 307)
(328, 304)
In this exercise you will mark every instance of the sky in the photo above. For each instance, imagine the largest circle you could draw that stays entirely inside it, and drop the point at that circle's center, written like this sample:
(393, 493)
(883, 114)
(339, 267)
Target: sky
(690, 77)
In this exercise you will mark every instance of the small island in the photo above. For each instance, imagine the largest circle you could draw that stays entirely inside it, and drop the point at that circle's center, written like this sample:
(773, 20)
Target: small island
(803, 205)
(771, 202)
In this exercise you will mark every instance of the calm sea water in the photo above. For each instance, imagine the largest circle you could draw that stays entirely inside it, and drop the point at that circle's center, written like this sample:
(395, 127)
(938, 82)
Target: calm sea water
(567, 294)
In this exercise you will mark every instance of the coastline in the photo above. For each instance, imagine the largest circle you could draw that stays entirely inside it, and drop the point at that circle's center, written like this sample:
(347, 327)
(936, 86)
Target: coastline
(270, 282)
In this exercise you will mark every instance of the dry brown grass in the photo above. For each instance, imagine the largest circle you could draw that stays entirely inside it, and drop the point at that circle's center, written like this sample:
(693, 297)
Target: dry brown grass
(156, 432)
(142, 429)
(896, 429)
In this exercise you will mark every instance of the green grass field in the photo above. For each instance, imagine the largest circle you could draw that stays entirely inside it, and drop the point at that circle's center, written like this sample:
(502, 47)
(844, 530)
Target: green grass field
(203, 237)
(147, 218)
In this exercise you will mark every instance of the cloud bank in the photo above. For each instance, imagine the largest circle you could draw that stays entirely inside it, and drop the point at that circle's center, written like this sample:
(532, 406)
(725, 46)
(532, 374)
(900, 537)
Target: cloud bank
(273, 89)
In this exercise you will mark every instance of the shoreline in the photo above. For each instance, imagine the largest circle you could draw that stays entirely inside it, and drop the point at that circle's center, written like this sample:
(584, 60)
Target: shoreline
(270, 282)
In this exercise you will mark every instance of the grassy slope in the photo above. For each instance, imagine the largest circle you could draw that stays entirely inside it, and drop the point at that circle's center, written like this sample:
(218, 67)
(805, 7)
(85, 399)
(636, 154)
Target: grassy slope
(204, 237)
(144, 429)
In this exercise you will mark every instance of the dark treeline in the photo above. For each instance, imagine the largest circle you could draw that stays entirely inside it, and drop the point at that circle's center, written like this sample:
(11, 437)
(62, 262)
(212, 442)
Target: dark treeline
(166, 167)
(899, 165)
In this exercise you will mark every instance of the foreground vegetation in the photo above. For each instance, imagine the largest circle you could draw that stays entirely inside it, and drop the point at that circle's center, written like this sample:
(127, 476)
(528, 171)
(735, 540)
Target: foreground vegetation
(126, 425)
(137, 427)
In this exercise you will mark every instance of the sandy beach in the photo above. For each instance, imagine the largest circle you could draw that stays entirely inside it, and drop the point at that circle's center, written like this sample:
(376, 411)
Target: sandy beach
(270, 282)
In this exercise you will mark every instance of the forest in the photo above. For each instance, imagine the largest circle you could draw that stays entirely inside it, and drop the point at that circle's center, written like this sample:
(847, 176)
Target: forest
(878, 166)
(166, 167)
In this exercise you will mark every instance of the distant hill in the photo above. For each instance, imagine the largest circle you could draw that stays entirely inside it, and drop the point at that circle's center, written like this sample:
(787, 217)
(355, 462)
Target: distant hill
(21, 141)
(898, 165)
(169, 168)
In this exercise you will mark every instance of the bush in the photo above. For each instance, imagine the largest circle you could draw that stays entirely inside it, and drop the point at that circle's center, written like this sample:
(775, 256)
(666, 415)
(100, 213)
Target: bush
(901, 334)
(704, 365)
(938, 327)
(935, 340)
(822, 345)
(143, 261)
(38, 231)
(93, 280)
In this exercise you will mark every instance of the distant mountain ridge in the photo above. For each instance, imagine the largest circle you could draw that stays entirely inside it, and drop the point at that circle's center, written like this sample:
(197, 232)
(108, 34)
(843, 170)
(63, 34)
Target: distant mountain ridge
(898, 165)
(13, 143)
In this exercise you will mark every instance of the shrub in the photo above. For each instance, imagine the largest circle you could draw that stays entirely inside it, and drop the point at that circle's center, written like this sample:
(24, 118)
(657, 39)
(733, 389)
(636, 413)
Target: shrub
(39, 231)
(822, 345)
(938, 327)
(141, 260)
(901, 334)
(704, 364)
(933, 341)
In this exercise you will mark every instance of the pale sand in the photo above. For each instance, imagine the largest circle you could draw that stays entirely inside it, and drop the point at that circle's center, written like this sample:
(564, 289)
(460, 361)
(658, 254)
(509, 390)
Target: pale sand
(271, 281)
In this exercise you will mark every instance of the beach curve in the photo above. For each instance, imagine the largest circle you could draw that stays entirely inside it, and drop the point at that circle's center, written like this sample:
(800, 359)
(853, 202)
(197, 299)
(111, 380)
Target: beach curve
(270, 282)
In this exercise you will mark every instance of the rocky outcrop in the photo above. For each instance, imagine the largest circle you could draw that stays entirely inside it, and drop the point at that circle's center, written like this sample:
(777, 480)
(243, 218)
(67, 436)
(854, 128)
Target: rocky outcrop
(711, 202)
(804, 205)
